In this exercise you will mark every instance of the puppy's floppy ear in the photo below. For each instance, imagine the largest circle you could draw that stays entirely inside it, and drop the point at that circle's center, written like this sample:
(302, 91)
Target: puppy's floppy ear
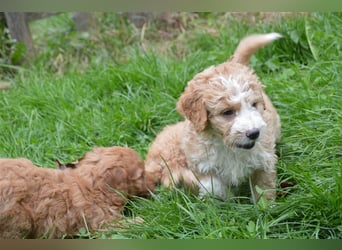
(117, 178)
(192, 107)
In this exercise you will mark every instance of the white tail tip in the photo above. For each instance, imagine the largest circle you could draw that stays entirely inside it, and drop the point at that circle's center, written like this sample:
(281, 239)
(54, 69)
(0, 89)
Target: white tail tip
(273, 36)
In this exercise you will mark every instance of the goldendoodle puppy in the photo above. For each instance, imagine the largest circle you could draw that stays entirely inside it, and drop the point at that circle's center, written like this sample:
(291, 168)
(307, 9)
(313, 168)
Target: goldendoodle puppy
(229, 132)
(41, 202)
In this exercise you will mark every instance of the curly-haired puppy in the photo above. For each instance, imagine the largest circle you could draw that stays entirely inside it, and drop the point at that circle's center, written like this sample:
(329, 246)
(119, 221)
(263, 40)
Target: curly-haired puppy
(229, 133)
(41, 202)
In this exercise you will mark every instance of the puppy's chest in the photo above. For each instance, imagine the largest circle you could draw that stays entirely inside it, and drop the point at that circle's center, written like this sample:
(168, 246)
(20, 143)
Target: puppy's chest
(232, 167)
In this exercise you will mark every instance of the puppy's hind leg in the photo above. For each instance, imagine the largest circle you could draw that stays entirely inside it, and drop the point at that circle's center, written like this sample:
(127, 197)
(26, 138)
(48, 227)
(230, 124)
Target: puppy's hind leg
(16, 223)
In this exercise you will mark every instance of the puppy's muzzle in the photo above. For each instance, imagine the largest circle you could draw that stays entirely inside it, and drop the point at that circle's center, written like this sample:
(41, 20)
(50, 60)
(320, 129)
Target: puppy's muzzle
(252, 135)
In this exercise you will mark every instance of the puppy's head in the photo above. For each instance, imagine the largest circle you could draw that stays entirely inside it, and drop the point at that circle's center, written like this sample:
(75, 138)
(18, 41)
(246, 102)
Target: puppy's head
(227, 100)
(120, 168)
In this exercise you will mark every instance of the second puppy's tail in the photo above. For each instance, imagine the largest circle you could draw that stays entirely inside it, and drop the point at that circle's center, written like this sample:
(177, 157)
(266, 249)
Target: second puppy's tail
(250, 44)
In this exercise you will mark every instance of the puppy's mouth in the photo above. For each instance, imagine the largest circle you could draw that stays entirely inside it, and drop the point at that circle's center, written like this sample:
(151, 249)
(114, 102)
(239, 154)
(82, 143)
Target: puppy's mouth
(248, 145)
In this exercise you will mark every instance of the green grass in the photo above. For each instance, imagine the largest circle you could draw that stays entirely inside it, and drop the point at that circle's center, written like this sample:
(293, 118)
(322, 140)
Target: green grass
(119, 86)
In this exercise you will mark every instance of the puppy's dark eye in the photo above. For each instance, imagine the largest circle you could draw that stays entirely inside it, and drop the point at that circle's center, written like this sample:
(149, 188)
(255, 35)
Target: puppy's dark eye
(228, 112)
(254, 105)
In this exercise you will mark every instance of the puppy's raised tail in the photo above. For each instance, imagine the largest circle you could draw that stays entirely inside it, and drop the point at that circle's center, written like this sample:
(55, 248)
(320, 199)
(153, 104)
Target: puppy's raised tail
(250, 44)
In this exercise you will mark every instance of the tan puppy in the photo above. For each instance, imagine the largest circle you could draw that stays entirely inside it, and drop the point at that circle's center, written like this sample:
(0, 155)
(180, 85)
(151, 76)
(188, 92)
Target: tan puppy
(229, 132)
(41, 202)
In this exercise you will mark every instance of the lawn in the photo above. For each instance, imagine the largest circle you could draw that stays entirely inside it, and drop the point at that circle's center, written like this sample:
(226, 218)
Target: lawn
(118, 85)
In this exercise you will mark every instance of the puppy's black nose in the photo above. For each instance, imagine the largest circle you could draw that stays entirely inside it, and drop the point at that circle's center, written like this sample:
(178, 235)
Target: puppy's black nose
(253, 134)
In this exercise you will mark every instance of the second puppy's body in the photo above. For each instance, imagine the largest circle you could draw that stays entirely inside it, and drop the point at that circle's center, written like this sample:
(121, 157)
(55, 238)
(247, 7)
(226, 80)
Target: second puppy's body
(41, 202)
(229, 132)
